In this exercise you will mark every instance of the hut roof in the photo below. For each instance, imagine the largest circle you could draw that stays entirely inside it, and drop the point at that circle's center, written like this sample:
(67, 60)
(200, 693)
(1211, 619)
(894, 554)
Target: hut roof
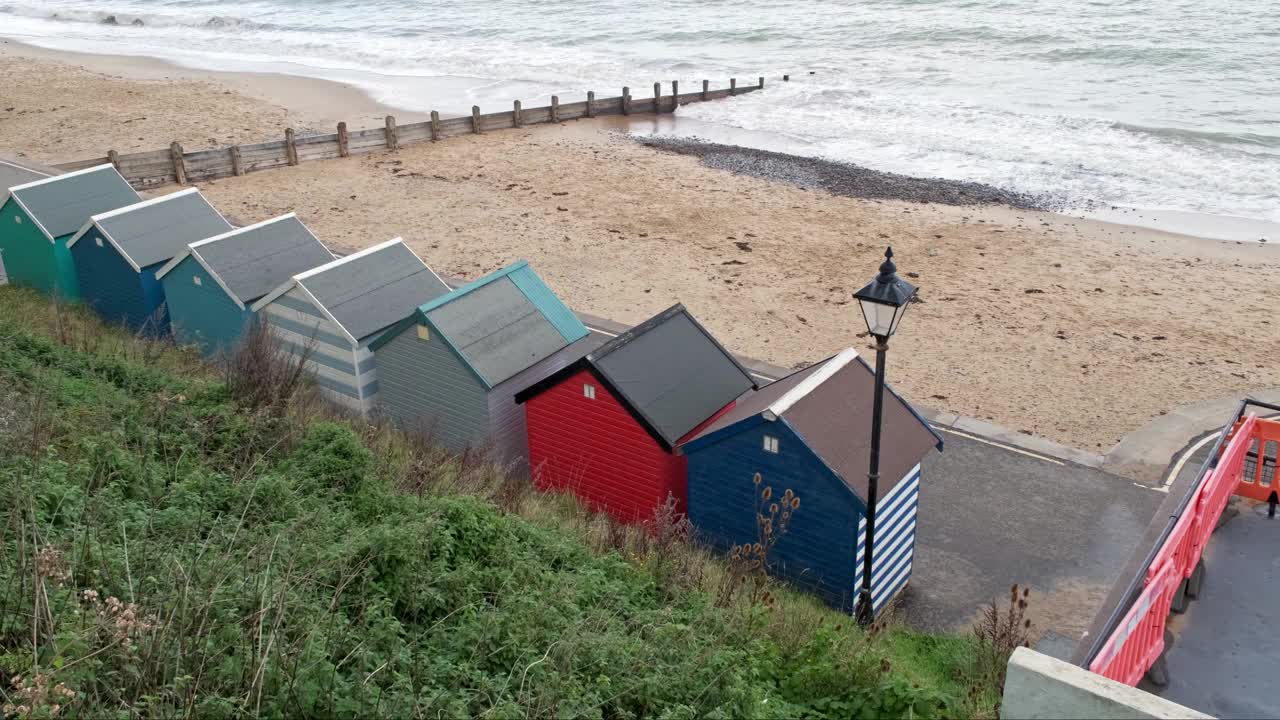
(669, 371)
(251, 261)
(153, 231)
(369, 291)
(61, 204)
(500, 324)
(829, 406)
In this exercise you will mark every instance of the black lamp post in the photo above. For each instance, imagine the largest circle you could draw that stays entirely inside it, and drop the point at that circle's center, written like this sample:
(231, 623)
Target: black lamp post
(884, 301)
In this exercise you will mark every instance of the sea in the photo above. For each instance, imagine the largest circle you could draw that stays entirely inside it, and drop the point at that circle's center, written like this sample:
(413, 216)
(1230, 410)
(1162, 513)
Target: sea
(1170, 106)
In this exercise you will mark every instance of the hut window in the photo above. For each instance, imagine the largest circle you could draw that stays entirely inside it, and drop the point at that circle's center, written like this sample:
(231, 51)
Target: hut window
(195, 279)
(17, 219)
(589, 391)
(771, 444)
(99, 241)
(424, 332)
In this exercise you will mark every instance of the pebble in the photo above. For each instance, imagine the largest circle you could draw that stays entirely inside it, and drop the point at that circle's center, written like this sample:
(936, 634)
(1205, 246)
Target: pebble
(844, 179)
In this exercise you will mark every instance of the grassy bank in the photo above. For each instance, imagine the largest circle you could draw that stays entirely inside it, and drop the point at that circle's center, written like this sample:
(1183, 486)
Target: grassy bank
(171, 549)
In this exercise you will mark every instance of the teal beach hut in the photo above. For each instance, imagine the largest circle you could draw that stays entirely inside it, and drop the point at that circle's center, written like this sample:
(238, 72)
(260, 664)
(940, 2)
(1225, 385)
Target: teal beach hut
(38, 218)
(331, 313)
(452, 369)
(210, 286)
(117, 255)
(810, 432)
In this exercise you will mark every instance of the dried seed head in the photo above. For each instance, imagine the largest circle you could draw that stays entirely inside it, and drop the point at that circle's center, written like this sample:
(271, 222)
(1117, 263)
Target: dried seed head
(768, 493)
(795, 503)
(756, 479)
(773, 508)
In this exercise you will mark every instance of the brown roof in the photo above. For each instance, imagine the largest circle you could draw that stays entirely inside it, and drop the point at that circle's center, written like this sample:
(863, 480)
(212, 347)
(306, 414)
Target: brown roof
(832, 415)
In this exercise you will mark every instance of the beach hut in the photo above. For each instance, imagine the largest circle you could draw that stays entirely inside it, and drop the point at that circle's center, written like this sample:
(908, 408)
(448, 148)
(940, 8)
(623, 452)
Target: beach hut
(118, 253)
(38, 218)
(451, 370)
(605, 426)
(810, 433)
(210, 286)
(331, 313)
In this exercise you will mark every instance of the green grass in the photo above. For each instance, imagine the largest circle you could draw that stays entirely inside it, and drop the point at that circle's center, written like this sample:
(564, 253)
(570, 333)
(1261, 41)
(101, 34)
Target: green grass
(167, 552)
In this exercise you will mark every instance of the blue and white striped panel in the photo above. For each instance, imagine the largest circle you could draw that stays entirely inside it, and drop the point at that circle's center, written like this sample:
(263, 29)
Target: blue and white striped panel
(302, 326)
(895, 540)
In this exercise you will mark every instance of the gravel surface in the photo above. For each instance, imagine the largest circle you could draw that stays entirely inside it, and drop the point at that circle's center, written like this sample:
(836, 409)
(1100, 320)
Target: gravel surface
(843, 178)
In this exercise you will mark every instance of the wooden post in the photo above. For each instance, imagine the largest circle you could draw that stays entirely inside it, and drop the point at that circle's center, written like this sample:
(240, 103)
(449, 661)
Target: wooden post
(591, 103)
(237, 165)
(344, 149)
(626, 101)
(786, 78)
(733, 86)
(675, 95)
(393, 137)
(762, 83)
(515, 114)
(555, 109)
(290, 147)
(475, 119)
(179, 167)
(435, 126)
(706, 87)
(657, 98)
(113, 157)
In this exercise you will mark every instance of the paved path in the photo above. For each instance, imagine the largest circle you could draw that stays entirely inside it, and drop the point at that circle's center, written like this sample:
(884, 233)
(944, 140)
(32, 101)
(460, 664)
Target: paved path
(1222, 659)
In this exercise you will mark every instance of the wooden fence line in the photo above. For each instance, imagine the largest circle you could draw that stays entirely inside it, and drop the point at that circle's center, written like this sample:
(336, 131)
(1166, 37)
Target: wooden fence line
(173, 165)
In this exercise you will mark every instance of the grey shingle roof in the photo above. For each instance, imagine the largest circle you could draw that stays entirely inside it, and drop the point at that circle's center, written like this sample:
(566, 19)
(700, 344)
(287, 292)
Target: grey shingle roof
(366, 293)
(497, 330)
(64, 204)
(672, 372)
(254, 261)
(159, 229)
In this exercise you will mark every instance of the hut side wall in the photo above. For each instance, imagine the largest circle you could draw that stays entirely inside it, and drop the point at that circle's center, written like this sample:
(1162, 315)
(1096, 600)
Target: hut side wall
(30, 260)
(594, 448)
(426, 388)
(895, 539)
(201, 313)
(817, 552)
(109, 285)
(303, 328)
(508, 430)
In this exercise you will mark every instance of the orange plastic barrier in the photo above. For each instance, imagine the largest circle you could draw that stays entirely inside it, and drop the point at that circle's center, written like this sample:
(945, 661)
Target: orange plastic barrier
(1261, 482)
(1138, 640)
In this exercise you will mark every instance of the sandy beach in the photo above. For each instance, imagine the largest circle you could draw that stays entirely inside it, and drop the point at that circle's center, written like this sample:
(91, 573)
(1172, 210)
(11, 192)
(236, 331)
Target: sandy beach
(1076, 330)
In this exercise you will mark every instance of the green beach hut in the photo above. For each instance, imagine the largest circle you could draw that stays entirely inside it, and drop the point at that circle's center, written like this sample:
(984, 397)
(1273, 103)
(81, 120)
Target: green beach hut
(38, 219)
(210, 286)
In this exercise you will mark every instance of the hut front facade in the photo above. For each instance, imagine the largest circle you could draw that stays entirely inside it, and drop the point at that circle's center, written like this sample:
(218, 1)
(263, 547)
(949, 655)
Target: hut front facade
(210, 286)
(452, 369)
(37, 219)
(810, 433)
(605, 427)
(117, 255)
(330, 315)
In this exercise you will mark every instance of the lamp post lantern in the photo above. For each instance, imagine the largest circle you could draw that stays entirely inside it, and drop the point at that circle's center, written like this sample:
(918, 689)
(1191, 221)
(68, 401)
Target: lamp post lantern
(883, 301)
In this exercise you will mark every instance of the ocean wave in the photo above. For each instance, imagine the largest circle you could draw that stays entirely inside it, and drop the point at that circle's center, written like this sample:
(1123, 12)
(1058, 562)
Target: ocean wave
(1205, 137)
(134, 19)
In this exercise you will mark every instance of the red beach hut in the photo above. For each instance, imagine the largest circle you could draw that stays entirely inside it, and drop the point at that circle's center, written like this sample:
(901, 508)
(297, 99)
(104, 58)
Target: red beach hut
(605, 427)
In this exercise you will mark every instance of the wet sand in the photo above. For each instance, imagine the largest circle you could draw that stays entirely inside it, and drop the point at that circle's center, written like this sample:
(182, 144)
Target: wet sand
(1073, 329)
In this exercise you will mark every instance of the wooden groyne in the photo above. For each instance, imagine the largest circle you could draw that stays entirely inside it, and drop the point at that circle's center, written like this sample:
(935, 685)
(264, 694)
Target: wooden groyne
(174, 165)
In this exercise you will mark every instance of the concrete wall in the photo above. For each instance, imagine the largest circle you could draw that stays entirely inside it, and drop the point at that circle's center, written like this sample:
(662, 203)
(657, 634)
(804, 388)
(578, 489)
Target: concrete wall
(1039, 686)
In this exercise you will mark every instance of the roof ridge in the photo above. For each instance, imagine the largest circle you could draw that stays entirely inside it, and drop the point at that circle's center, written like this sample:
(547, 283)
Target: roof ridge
(62, 176)
(242, 230)
(320, 269)
(148, 203)
(830, 367)
(454, 294)
(636, 331)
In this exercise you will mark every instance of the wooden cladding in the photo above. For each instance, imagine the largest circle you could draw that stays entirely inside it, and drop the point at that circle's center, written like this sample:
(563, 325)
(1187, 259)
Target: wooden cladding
(174, 165)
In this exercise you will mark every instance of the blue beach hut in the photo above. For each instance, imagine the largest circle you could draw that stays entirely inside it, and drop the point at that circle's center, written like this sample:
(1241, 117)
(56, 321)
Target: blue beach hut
(117, 255)
(810, 433)
(452, 369)
(210, 286)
